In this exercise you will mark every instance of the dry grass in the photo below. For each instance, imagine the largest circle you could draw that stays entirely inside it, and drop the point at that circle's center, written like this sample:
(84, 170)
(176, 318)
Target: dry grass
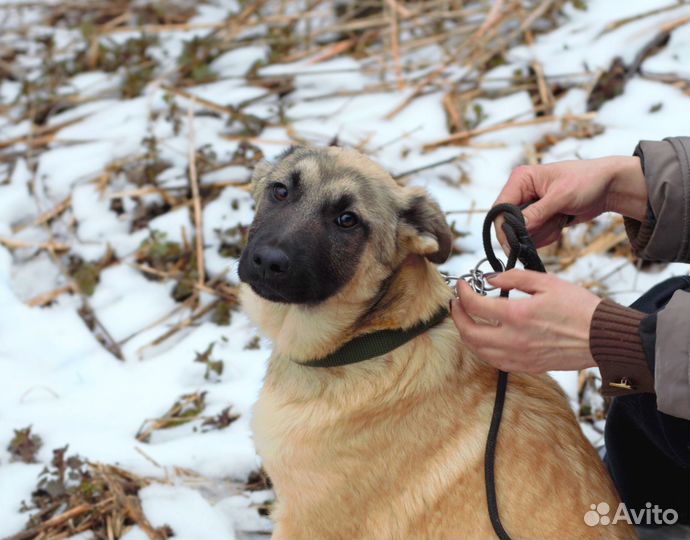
(380, 34)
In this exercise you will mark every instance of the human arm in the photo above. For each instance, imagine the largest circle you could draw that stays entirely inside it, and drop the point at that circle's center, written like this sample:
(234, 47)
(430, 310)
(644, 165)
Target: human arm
(663, 234)
(597, 331)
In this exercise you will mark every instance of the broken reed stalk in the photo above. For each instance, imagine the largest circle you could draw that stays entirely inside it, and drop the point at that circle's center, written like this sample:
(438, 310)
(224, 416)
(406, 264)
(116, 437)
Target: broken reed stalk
(40, 135)
(600, 244)
(395, 42)
(491, 17)
(545, 94)
(104, 517)
(468, 211)
(13, 243)
(627, 20)
(180, 326)
(464, 135)
(50, 296)
(332, 51)
(433, 165)
(196, 100)
(196, 199)
(45, 217)
(478, 42)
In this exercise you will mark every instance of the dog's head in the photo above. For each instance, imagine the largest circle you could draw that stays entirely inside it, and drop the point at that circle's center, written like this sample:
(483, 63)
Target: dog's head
(326, 215)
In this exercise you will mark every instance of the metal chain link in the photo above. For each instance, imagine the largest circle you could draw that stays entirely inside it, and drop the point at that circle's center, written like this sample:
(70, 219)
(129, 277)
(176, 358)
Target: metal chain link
(475, 278)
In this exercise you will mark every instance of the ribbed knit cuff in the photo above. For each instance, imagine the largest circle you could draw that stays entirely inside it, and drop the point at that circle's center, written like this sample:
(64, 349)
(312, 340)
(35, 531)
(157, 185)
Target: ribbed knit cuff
(615, 344)
(639, 233)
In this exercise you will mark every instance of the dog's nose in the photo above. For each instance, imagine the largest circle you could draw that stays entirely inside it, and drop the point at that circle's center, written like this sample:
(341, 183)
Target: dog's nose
(270, 261)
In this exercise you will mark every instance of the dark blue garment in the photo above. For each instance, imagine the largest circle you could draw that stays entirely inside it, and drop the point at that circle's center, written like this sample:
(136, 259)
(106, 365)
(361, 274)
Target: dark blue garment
(647, 451)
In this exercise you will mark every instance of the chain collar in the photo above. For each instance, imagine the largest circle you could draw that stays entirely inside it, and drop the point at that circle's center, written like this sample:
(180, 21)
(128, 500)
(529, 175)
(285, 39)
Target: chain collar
(475, 278)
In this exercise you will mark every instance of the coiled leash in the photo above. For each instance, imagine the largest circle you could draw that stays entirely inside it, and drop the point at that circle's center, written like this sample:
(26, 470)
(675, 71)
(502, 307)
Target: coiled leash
(522, 249)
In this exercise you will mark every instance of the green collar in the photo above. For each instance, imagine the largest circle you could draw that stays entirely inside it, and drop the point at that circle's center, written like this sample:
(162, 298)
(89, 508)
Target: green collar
(375, 344)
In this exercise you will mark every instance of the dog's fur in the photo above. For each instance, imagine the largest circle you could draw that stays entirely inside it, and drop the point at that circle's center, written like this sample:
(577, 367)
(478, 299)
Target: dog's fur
(393, 447)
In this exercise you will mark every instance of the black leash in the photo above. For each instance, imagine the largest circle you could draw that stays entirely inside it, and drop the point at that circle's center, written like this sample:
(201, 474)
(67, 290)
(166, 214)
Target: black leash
(521, 249)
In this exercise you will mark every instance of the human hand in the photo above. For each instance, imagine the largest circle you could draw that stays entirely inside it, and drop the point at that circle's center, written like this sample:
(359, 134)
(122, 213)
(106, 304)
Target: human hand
(547, 331)
(582, 189)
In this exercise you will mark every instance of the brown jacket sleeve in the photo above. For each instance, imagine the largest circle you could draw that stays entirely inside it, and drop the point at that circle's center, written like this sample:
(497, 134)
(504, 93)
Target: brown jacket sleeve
(615, 343)
(664, 236)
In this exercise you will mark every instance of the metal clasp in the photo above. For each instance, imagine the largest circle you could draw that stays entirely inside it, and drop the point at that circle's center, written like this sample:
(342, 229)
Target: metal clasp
(476, 278)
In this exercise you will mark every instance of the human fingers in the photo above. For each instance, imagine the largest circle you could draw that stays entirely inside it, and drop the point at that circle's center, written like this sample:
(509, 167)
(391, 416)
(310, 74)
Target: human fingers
(490, 309)
(518, 190)
(527, 281)
(475, 335)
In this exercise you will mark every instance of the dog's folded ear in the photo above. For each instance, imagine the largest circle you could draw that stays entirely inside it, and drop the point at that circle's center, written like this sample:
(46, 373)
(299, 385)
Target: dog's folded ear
(424, 226)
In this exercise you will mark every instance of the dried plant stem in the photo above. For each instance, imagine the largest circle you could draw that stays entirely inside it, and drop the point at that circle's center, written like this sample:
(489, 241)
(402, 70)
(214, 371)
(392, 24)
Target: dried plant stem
(45, 217)
(464, 135)
(181, 325)
(196, 199)
(600, 245)
(50, 296)
(39, 135)
(395, 42)
(13, 243)
(545, 94)
(627, 20)
(468, 211)
(333, 51)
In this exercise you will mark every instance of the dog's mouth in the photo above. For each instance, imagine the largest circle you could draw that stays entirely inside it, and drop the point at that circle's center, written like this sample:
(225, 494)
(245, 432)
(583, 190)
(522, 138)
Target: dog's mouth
(299, 271)
(283, 289)
(268, 292)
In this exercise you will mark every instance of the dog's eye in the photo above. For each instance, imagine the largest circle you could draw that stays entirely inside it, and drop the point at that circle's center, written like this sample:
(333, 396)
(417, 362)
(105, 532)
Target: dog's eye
(280, 192)
(347, 220)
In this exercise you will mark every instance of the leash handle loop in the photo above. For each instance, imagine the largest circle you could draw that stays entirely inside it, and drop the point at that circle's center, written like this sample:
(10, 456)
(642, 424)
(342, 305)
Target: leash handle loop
(522, 248)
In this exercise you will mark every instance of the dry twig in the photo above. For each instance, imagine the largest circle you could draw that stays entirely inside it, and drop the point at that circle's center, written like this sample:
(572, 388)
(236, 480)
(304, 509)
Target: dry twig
(194, 183)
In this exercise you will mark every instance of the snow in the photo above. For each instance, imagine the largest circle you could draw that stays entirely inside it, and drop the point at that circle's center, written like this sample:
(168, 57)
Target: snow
(61, 168)
(57, 377)
(674, 58)
(22, 478)
(97, 223)
(238, 62)
(175, 224)
(16, 203)
(123, 123)
(186, 511)
(584, 43)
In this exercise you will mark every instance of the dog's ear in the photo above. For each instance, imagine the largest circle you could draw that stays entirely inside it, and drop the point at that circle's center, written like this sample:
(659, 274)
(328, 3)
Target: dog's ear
(424, 226)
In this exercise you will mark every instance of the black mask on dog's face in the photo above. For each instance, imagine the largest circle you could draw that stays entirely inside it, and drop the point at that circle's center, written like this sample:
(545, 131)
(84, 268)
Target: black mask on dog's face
(301, 248)
(321, 213)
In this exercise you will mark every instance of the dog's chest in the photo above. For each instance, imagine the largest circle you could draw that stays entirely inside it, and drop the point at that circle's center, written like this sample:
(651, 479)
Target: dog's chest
(292, 435)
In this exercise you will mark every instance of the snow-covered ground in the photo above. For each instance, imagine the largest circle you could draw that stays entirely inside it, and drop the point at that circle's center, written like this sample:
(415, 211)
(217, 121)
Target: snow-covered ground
(56, 376)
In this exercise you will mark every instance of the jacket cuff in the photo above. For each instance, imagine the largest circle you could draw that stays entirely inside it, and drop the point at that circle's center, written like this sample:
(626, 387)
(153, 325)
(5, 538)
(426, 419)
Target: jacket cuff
(663, 236)
(615, 344)
(640, 232)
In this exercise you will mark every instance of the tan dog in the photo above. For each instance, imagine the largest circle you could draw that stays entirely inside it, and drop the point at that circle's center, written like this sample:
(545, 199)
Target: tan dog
(392, 447)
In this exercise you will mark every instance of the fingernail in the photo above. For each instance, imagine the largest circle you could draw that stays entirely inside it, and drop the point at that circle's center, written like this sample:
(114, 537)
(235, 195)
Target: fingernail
(526, 220)
(491, 275)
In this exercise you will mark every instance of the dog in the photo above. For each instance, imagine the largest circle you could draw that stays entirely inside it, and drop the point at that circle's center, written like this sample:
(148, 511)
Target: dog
(391, 447)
